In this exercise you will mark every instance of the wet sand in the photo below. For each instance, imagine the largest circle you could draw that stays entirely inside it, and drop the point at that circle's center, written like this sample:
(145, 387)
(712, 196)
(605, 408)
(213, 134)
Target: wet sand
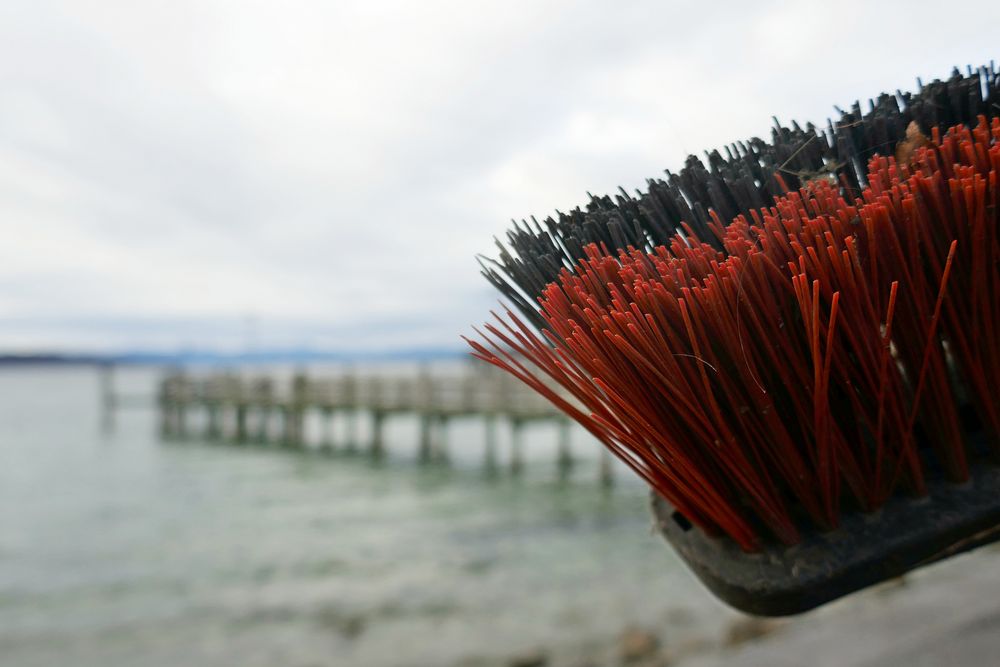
(944, 615)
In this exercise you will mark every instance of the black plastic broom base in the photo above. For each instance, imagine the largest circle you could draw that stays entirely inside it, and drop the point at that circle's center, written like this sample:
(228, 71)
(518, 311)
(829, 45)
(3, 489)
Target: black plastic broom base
(905, 534)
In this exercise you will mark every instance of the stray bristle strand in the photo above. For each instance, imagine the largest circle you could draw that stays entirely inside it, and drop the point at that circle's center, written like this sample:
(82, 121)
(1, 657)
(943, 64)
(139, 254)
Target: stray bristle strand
(822, 356)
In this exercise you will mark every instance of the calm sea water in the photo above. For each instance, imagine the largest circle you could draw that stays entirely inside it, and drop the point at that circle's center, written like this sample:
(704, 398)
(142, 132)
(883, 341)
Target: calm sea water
(120, 549)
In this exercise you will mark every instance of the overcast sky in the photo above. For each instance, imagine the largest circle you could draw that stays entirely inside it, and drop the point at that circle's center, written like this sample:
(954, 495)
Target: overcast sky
(229, 174)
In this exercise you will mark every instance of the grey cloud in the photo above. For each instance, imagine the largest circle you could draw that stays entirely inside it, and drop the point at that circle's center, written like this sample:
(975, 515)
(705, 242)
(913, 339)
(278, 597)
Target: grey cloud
(332, 168)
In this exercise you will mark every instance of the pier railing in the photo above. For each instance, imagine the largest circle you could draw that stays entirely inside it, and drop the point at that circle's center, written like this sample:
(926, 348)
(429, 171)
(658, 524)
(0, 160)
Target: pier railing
(243, 408)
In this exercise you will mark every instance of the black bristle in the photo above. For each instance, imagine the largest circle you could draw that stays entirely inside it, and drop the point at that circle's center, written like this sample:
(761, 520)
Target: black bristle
(737, 180)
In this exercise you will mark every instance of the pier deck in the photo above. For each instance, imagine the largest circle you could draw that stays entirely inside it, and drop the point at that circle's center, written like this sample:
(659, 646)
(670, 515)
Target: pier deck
(242, 408)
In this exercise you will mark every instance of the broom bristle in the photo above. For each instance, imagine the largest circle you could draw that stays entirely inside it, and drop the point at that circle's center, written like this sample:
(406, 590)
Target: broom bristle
(821, 354)
(745, 179)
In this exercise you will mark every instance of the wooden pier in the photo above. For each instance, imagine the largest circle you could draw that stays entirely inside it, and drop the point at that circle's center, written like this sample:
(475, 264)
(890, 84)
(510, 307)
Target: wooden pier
(244, 409)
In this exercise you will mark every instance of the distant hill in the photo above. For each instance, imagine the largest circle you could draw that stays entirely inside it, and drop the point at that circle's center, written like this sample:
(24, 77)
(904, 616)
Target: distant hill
(161, 358)
(8, 359)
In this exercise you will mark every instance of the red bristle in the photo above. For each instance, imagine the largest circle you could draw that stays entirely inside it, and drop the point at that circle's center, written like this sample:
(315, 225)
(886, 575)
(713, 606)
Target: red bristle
(821, 357)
